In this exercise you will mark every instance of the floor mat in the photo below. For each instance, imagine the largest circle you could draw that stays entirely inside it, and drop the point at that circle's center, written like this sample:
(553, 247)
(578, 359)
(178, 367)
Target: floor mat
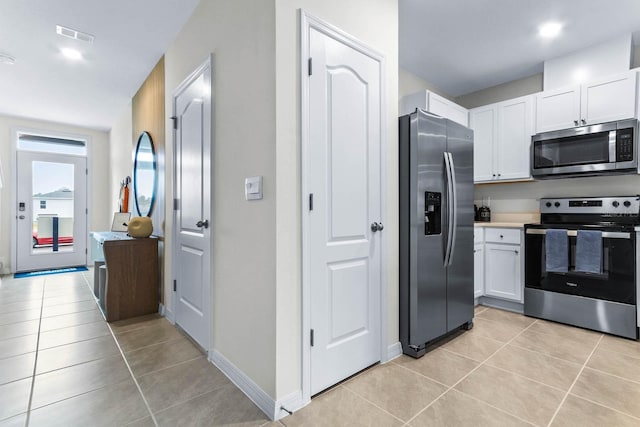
(45, 272)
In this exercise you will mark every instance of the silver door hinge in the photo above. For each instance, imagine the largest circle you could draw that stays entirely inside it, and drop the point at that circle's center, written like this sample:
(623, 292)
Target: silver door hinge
(86, 211)
(175, 122)
(86, 171)
(176, 204)
(312, 338)
(175, 285)
(310, 201)
(86, 251)
(310, 66)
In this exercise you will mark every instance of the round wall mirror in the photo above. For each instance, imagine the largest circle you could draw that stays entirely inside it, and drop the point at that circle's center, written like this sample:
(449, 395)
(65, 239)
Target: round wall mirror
(144, 175)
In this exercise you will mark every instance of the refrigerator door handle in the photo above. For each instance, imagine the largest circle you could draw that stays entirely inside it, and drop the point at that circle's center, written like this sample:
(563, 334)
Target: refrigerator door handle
(453, 218)
(450, 196)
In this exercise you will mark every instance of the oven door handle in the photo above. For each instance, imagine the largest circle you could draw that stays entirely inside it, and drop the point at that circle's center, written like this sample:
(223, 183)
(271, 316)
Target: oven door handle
(574, 233)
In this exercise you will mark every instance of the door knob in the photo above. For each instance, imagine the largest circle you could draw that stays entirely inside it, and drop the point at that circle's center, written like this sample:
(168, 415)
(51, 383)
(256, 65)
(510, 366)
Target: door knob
(377, 227)
(21, 217)
(204, 224)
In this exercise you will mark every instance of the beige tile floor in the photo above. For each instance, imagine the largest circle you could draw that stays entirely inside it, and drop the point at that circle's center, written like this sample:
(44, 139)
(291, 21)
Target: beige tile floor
(62, 365)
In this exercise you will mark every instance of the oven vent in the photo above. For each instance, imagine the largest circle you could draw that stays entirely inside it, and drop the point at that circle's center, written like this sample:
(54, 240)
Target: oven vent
(74, 34)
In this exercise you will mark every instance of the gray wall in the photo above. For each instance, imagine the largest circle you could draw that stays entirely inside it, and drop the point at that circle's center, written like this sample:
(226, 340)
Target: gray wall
(509, 90)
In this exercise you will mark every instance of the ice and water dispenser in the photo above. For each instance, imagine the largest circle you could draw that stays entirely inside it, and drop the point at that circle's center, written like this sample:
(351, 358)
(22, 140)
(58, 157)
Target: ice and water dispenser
(432, 216)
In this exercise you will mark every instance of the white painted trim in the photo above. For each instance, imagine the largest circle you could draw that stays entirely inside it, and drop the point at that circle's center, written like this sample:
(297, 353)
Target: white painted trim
(252, 390)
(291, 402)
(393, 351)
(14, 184)
(171, 313)
(308, 21)
(165, 312)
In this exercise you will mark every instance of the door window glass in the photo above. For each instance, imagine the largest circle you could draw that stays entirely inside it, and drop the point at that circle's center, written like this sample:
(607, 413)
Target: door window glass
(53, 207)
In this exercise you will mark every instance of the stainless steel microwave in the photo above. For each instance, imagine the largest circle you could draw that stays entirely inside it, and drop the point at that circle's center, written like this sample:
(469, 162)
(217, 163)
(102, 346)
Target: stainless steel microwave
(607, 148)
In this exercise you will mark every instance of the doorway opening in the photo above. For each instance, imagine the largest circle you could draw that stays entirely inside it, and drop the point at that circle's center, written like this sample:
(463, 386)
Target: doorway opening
(50, 201)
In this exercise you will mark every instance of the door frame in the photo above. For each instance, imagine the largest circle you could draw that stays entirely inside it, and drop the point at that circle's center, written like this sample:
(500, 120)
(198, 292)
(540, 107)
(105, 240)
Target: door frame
(14, 183)
(308, 22)
(207, 63)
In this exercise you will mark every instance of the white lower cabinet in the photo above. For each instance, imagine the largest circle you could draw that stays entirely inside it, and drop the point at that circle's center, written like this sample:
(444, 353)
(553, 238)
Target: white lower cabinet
(502, 271)
(497, 255)
(478, 270)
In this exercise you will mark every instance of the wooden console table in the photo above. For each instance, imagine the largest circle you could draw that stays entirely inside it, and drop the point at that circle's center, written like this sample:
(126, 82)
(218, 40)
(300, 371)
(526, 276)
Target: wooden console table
(131, 286)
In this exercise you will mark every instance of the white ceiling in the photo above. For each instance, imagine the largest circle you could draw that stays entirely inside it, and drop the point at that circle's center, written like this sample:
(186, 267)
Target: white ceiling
(130, 38)
(461, 46)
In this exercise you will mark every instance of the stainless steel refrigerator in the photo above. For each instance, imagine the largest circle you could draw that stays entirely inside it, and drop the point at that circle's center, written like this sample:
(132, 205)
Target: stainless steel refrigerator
(436, 229)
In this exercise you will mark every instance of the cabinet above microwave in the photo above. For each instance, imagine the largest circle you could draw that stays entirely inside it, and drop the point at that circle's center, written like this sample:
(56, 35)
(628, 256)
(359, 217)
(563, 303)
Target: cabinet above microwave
(602, 100)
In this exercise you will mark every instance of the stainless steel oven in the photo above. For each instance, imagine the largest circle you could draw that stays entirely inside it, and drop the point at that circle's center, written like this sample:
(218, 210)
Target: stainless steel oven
(606, 300)
(606, 148)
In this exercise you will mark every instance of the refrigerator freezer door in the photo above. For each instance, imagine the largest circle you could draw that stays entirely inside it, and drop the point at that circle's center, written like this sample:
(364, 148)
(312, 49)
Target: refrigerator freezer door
(428, 311)
(460, 269)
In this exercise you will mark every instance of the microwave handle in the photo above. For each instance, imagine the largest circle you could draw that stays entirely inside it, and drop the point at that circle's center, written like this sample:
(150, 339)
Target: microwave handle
(612, 146)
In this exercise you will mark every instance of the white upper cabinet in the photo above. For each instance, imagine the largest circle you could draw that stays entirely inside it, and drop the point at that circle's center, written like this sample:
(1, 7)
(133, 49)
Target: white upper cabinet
(515, 127)
(606, 100)
(557, 109)
(436, 104)
(501, 140)
(603, 100)
(484, 122)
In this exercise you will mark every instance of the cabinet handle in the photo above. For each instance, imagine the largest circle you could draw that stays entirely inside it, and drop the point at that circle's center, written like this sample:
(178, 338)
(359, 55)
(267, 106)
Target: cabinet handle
(494, 175)
(584, 122)
(499, 174)
(575, 122)
(516, 252)
(501, 236)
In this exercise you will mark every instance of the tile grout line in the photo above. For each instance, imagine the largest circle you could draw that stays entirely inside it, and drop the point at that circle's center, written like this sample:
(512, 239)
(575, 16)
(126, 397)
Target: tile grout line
(606, 407)
(372, 403)
(35, 362)
(170, 366)
(584, 365)
(471, 372)
(135, 381)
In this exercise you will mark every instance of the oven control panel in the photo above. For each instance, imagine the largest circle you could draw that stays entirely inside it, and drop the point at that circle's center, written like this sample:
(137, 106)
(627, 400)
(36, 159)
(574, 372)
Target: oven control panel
(623, 205)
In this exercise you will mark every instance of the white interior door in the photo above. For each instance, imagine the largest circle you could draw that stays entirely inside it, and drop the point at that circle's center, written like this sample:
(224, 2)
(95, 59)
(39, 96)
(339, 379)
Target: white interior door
(192, 248)
(51, 211)
(343, 174)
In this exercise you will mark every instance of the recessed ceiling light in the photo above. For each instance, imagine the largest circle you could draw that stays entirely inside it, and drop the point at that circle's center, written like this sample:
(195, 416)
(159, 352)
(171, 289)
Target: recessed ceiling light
(549, 30)
(7, 59)
(71, 53)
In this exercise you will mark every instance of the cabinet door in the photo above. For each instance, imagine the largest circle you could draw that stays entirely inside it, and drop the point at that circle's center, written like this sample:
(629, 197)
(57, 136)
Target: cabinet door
(445, 108)
(502, 271)
(557, 109)
(515, 126)
(609, 99)
(478, 270)
(483, 121)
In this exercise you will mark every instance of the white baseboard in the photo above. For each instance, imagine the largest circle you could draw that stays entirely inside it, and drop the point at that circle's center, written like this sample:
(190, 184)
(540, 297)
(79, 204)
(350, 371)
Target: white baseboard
(292, 402)
(258, 396)
(394, 350)
(164, 311)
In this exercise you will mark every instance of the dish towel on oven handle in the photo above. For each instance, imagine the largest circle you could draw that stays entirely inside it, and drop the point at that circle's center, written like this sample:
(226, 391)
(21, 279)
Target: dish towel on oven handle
(557, 251)
(589, 251)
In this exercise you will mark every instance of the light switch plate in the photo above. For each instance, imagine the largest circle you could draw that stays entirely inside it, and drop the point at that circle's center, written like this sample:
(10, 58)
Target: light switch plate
(253, 188)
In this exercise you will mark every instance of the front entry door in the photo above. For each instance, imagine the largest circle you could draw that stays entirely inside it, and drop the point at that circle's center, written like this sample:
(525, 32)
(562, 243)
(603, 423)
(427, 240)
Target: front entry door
(192, 250)
(52, 211)
(344, 171)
